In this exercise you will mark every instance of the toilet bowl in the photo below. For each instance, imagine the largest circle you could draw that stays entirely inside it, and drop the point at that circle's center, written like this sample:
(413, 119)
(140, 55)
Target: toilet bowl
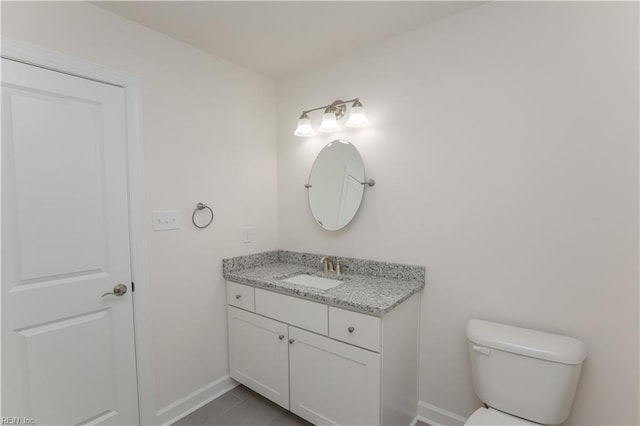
(490, 417)
(523, 376)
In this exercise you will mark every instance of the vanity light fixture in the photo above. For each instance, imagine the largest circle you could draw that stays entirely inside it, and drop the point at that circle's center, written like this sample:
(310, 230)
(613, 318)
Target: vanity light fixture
(329, 122)
(304, 126)
(332, 113)
(357, 117)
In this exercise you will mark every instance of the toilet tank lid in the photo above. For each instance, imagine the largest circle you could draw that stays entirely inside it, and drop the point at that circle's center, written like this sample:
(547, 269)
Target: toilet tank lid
(527, 342)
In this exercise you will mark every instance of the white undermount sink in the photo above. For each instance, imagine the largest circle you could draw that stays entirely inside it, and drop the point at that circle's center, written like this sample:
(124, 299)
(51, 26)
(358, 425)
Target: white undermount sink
(312, 281)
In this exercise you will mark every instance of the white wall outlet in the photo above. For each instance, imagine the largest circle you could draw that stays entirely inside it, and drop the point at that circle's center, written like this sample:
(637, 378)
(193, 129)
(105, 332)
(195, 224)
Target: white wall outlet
(247, 235)
(166, 220)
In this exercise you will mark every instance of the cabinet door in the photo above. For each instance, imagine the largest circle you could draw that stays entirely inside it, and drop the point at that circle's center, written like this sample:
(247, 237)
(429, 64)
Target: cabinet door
(332, 382)
(258, 354)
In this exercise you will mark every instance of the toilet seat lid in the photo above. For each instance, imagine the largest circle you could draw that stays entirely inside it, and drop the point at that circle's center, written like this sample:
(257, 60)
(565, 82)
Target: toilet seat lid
(490, 417)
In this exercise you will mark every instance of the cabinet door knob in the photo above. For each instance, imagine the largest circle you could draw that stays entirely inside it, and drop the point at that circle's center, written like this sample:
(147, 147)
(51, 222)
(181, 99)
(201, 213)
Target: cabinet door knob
(281, 336)
(291, 341)
(238, 296)
(351, 329)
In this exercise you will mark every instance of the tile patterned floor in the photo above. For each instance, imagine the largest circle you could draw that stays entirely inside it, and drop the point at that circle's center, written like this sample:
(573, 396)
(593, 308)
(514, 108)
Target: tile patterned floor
(243, 407)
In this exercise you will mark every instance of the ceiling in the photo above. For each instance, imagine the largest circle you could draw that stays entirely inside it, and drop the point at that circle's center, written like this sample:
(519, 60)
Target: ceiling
(277, 38)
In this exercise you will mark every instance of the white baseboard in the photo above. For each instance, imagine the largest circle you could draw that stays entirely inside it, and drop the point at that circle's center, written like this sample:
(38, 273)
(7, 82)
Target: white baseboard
(436, 416)
(190, 403)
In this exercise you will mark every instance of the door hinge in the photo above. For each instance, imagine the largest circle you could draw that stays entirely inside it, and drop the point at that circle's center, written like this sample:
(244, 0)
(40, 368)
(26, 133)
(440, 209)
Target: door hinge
(133, 286)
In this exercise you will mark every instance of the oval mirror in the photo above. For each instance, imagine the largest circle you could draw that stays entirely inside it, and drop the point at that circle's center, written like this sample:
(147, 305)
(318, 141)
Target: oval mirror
(335, 185)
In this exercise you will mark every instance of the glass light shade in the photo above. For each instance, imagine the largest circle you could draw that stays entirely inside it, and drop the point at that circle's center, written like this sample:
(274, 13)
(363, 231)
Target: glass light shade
(304, 128)
(329, 123)
(357, 117)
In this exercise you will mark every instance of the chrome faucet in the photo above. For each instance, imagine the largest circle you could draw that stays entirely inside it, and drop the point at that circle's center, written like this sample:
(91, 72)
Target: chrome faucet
(328, 264)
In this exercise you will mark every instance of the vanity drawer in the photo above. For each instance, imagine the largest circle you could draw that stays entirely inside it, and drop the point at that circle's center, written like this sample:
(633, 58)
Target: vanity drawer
(355, 328)
(302, 313)
(241, 296)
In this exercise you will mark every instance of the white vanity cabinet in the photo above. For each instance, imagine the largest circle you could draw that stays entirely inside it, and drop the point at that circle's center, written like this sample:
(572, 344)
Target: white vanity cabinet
(332, 382)
(259, 354)
(325, 364)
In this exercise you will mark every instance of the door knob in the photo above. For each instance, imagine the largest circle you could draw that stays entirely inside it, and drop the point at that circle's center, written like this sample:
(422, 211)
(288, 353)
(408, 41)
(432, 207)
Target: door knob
(118, 290)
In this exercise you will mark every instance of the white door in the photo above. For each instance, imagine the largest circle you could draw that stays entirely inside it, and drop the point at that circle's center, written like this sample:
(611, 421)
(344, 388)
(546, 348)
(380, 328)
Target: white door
(258, 354)
(332, 383)
(351, 196)
(67, 353)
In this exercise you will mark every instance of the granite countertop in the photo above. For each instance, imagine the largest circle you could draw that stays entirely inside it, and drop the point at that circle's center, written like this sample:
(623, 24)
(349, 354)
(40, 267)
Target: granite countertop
(369, 287)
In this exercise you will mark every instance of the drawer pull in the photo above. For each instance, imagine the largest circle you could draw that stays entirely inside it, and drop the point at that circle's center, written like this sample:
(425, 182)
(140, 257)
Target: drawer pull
(281, 336)
(238, 296)
(351, 329)
(291, 341)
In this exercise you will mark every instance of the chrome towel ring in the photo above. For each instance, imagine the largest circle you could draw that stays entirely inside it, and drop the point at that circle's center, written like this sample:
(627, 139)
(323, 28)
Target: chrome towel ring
(199, 207)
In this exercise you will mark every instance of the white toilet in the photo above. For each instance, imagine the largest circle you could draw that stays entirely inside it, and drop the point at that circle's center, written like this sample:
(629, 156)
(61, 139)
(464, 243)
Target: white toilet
(525, 377)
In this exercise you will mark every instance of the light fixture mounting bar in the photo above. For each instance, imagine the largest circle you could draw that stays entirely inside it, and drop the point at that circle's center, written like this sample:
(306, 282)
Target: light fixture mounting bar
(334, 104)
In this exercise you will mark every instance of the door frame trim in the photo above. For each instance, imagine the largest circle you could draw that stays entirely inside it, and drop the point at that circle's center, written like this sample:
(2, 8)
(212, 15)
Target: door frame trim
(56, 61)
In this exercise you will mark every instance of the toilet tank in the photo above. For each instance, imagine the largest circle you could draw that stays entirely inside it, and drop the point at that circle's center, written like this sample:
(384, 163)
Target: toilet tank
(526, 373)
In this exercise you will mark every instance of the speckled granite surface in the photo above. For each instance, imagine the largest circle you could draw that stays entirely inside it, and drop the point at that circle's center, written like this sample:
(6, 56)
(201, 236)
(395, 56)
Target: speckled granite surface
(370, 287)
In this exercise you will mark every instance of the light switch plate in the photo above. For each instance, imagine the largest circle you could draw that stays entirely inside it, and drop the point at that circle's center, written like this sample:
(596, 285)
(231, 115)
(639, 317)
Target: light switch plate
(247, 235)
(166, 220)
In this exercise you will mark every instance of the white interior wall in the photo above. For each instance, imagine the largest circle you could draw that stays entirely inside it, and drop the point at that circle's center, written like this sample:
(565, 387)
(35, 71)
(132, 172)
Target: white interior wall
(504, 145)
(197, 149)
